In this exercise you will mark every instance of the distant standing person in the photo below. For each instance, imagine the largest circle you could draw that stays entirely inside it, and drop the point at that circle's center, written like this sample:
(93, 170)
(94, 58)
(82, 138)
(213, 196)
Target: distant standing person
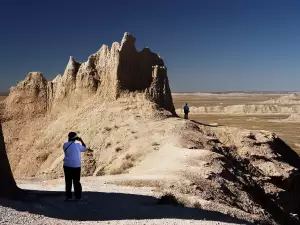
(72, 165)
(186, 110)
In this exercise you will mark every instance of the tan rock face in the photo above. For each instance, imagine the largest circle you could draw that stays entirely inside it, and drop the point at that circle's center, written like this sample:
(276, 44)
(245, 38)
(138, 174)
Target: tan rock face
(29, 97)
(108, 74)
(118, 81)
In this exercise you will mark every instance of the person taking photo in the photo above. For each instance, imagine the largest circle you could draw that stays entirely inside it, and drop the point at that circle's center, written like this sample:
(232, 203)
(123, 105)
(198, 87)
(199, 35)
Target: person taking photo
(72, 165)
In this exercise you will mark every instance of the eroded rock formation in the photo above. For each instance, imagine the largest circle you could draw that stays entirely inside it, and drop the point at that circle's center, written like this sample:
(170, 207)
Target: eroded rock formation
(109, 74)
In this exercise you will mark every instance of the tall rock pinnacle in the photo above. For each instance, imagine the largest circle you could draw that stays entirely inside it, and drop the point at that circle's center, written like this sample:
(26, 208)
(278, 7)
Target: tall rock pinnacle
(109, 73)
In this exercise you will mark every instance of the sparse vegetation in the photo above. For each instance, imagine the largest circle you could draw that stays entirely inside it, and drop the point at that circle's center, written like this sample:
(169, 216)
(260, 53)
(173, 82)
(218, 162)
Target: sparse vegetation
(42, 157)
(197, 205)
(107, 129)
(100, 172)
(139, 183)
(127, 163)
(169, 199)
(128, 156)
(118, 149)
(155, 144)
(122, 169)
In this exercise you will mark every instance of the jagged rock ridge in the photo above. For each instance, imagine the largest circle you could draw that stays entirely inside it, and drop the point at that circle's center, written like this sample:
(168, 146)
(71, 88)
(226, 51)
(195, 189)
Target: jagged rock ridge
(108, 73)
(249, 174)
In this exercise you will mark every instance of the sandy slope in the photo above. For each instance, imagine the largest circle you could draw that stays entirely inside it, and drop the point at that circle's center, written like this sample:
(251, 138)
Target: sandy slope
(117, 133)
(216, 168)
(104, 204)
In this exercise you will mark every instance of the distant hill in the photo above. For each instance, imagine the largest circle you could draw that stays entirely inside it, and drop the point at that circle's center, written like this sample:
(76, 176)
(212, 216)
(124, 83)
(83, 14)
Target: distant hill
(241, 92)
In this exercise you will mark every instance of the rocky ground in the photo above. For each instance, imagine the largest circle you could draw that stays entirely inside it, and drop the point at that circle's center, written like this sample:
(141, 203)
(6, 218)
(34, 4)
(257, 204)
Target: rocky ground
(104, 203)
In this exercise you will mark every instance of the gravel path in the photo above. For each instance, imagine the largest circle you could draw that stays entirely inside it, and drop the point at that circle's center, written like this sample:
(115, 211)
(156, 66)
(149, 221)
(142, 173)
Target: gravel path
(102, 204)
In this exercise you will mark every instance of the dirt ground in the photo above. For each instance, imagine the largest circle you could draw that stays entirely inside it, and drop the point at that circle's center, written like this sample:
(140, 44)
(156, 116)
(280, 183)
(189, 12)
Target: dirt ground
(103, 203)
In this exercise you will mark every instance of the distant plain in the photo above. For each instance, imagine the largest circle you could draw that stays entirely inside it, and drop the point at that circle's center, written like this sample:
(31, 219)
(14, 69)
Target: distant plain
(289, 132)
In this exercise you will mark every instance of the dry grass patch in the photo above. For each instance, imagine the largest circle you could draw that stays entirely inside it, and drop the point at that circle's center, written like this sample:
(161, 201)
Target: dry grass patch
(118, 149)
(169, 198)
(42, 157)
(197, 205)
(128, 156)
(127, 163)
(140, 183)
(122, 169)
(155, 144)
(107, 129)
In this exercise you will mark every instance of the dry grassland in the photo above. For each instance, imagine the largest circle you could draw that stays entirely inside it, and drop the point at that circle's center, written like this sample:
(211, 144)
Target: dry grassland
(222, 99)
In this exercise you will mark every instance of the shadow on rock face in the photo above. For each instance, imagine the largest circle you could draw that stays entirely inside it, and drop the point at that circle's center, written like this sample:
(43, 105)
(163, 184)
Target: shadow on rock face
(8, 187)
(286, 153)
(98, 206)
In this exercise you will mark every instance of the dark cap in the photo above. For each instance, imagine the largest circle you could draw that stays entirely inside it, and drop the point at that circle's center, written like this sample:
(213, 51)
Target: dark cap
(72, 136)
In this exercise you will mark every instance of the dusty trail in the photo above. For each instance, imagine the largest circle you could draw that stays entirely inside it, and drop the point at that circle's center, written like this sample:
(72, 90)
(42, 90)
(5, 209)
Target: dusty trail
(104, 204)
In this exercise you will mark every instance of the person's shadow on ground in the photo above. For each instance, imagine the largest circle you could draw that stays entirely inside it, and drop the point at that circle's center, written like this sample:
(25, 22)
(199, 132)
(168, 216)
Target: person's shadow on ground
(110, 206)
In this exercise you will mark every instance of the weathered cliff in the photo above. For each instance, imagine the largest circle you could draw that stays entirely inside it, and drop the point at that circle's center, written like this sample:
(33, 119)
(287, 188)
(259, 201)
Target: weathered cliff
(107, 74)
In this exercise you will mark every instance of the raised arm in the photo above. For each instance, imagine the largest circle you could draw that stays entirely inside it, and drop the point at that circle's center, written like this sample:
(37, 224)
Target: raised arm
(82, 147)
(82, 142)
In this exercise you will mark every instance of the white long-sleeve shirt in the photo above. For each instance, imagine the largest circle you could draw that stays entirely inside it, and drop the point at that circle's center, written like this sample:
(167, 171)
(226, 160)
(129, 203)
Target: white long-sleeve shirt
(73, 154)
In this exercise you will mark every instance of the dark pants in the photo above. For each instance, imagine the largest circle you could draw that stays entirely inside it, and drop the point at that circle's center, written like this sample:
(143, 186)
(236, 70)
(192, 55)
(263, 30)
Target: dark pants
(186, 115)
(73, 175)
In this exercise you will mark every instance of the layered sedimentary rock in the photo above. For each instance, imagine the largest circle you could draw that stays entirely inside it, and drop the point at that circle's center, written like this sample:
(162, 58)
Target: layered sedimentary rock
(109, 73)
(29, 98)
(244, 109)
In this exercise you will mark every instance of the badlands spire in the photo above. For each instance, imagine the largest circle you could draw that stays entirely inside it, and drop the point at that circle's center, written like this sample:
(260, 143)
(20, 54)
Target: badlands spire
(108, 74)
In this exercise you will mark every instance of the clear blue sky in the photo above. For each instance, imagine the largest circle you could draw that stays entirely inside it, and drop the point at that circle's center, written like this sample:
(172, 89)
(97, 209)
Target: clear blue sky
(211, 45)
